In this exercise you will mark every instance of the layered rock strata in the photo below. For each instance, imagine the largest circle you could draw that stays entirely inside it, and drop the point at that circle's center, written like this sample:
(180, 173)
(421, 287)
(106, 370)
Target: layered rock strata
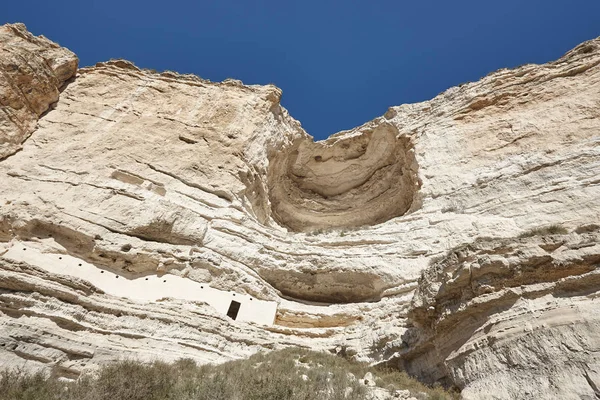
(518, 315)
(32, 69)
(346, 181)
(143, 173)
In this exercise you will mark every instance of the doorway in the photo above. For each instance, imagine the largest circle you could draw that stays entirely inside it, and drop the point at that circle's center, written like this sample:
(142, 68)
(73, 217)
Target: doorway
(234, 308)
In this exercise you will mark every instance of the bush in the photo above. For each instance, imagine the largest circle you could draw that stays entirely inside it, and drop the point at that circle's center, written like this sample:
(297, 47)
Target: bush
(548, 230)
(294, 374)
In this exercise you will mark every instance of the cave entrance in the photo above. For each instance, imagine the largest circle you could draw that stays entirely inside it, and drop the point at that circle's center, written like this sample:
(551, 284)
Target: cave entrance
(234, 308)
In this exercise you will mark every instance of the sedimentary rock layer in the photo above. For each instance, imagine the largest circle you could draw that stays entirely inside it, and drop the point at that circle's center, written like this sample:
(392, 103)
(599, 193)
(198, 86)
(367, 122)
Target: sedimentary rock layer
(347, 181)
(143, 173)
(520, 316)
(32, 70)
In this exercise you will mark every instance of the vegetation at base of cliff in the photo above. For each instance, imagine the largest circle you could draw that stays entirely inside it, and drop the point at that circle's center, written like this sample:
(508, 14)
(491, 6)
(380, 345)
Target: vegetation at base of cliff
(295, 374)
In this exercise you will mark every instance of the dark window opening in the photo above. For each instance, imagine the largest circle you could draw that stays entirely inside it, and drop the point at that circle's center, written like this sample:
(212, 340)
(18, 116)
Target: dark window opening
(234, 308)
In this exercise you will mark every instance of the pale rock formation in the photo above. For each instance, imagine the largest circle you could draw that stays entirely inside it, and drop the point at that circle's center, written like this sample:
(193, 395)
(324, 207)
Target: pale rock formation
(511, 318)
(349, 180)
(144, 173)
(33, 69)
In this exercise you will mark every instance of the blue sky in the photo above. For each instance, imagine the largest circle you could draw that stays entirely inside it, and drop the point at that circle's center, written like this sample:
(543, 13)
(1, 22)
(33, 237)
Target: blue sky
(339, 63)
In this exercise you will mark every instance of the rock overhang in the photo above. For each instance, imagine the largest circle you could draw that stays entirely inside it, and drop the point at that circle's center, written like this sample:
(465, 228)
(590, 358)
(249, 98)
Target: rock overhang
(359, 179)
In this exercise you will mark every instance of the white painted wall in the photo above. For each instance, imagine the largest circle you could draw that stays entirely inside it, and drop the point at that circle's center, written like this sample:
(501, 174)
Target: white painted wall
(148, 288)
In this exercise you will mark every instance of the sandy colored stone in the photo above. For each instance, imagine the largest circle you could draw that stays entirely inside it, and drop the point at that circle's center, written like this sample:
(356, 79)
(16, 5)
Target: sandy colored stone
(32, 70)
(152, 173)
(504, 318)
(347, 181)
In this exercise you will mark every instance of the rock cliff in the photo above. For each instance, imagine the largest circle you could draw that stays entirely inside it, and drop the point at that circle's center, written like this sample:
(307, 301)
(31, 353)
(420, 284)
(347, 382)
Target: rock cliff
(519, 316)
(453, 237)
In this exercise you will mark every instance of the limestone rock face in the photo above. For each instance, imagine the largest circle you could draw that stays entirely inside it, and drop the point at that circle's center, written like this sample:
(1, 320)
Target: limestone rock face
(145, 174)
(345, 181)
(32, 69)
(514, 315)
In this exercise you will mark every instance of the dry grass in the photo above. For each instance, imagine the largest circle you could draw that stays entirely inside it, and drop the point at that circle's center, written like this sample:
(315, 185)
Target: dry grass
(293, 374)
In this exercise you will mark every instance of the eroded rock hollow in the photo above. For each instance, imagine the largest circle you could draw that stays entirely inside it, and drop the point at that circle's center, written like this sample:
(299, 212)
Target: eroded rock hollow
(345, 181)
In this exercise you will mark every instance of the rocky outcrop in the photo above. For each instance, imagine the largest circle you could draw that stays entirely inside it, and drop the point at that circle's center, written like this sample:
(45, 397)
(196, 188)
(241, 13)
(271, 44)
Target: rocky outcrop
(32, 71)
(518, 315)
(143, 173)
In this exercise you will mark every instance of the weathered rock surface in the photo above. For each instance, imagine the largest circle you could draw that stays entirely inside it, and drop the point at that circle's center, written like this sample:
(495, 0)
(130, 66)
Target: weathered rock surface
(348, 181)
(32, 69)
(145, 173)
(511, 318)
